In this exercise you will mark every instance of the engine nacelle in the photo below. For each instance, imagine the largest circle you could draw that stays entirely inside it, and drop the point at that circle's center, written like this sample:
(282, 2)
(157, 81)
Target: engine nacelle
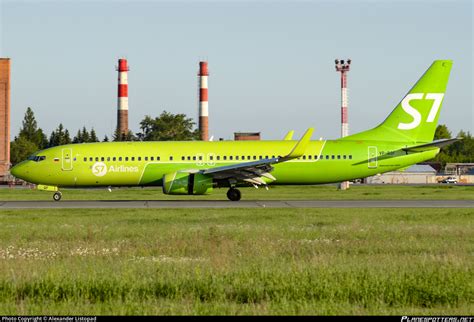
(183, 183)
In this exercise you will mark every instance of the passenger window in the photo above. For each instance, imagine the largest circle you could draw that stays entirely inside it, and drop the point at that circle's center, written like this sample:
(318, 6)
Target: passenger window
(350, 156)
(102, 159)
(146, 158)
(120, 158)
(332, 156)
(108, 158)
(96, 159)
(171, 158)
(344, 156)
(90, 159)
(200, 158)
(255, 157)
(189, 158)
(273, 157)
(126, 158)
(338, 157)
(327, 157)
(194, 158)
(230, 157)
(260, 157)
(266, 157)
(157, 158)
(139, 158)
(85, 159)
(248, 157)
(315, 157)
(153, 158)
(211, 157)
(218, 157)
(225, 157)
(309, 157)
(132, 158)
(182, 158)
(114, 159)
(304, 157)
(236, 157)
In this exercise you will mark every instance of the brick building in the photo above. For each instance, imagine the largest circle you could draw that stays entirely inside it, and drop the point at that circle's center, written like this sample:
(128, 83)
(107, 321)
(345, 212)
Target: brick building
(4, 117)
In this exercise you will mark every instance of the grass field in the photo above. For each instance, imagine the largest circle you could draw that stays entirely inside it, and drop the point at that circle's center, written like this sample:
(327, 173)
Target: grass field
(233, 261)
(314, 192)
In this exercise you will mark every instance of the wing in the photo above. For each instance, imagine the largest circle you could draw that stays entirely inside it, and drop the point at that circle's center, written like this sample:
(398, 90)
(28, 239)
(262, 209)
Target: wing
(253, 172)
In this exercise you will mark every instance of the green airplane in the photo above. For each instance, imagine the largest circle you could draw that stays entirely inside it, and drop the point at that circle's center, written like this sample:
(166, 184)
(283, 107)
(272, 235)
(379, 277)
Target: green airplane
(196, 167)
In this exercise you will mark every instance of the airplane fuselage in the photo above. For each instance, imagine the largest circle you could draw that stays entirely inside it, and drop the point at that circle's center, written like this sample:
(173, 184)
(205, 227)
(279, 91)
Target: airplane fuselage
(145, 163)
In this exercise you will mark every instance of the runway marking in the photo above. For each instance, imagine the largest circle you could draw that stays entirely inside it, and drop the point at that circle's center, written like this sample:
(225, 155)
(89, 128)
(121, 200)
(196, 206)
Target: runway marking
(114, 204)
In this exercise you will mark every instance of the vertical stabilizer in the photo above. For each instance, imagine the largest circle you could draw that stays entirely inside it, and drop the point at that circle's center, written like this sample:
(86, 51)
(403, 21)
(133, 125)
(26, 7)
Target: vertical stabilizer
(415, 118)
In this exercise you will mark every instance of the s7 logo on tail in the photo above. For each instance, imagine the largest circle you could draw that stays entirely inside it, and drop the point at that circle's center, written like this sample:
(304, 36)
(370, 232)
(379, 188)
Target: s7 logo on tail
(437, 99)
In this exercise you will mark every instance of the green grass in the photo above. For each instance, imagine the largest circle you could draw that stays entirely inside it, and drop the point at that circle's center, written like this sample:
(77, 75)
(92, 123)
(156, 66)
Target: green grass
(237, 261)
(312, 192)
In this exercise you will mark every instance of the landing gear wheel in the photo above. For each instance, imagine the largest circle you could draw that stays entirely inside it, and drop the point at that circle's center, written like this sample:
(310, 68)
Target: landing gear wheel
(234, 194)
(57, 196)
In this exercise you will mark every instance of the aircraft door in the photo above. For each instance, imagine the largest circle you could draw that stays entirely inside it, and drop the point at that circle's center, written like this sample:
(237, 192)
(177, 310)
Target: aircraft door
(372, 157)
(67, 160)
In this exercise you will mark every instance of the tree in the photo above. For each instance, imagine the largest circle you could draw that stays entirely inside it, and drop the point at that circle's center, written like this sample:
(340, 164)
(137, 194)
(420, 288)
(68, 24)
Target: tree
(93, 136)
(30, 130)
(59, 136)
(85, 135)
(461, 151)
(106, 139)
(20, 149)
(123, 136)
(78, 137)
(442, 132)
(168, 127)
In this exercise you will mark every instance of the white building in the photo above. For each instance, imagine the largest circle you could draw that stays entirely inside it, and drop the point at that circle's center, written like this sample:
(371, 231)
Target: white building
(415, 174)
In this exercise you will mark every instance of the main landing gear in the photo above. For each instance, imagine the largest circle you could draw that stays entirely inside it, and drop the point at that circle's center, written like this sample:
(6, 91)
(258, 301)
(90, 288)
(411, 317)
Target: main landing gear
(234, 194)
(57, 196)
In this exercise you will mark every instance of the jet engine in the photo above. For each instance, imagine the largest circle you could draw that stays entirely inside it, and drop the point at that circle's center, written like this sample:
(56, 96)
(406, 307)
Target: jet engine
(184, 183)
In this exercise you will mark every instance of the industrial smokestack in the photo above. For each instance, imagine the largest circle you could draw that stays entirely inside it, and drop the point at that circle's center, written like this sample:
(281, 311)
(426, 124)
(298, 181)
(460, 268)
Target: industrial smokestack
(203, 102)
(122, 103)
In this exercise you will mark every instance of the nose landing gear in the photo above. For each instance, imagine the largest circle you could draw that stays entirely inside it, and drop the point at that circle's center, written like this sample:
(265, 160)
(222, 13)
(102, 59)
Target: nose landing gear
(57, 196)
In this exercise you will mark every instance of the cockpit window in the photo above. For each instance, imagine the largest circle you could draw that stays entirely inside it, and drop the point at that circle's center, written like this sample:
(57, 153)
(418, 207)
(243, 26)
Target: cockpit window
(37, 158)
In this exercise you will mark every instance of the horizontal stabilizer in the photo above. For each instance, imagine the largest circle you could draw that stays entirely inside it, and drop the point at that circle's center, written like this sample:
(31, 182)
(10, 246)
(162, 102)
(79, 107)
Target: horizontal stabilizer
(432, 145)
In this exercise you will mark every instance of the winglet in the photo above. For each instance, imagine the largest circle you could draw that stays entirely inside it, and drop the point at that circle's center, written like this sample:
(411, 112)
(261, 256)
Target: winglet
(289, 136)
(300, 147)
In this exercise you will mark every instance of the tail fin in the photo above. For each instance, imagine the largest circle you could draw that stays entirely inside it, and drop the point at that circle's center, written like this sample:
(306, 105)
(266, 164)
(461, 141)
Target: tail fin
(415, 118)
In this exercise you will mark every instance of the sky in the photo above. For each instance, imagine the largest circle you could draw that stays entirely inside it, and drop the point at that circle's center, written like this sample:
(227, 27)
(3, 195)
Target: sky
(271, 63)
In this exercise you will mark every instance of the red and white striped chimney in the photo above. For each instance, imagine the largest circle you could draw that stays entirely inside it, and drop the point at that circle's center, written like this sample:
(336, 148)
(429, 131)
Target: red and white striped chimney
(343, 67)
(122, 103)
(203, 102)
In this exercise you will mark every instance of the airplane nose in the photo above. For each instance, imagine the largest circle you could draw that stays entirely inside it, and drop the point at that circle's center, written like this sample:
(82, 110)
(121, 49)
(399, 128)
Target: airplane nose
(18, 171)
